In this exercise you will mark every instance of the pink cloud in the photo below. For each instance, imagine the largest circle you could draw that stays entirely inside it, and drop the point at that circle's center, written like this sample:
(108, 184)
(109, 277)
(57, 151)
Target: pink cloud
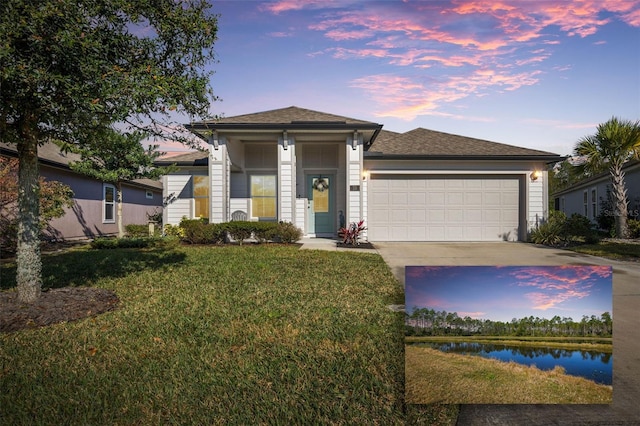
(476, 46)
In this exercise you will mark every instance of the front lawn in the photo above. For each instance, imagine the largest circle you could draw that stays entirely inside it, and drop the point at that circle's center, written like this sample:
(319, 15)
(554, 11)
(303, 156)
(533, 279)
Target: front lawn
(213, 335)
(611, 250)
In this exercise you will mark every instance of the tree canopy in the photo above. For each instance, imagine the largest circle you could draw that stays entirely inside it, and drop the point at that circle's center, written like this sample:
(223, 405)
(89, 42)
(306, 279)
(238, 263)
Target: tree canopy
(71, 68)
(614, 143)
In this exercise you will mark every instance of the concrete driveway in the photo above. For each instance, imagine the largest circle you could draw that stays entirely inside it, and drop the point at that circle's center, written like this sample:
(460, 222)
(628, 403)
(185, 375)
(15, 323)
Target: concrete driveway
(625, 409)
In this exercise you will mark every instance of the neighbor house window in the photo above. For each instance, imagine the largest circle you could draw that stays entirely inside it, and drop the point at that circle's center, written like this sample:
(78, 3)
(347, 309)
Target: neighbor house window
(109, 203)
(149, 195)
(263, 197)
(585, 204)
(201, 196)
(562, 204)
(594, 204)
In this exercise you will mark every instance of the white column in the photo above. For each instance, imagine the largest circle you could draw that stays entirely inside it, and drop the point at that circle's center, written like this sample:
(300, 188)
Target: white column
(354, 188)
(219, 167)
(286, 179)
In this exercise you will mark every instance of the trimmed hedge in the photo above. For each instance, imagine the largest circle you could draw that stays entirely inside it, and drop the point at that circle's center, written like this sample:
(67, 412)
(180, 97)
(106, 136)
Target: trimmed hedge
(198, 231)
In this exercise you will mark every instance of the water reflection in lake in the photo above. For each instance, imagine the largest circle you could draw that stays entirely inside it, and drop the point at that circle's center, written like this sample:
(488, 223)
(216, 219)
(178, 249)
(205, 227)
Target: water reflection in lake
(593, 365)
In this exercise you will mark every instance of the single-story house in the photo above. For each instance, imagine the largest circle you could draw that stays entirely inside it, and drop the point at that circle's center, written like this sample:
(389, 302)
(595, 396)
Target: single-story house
(320, 171)
(588, 196)
(94, 210)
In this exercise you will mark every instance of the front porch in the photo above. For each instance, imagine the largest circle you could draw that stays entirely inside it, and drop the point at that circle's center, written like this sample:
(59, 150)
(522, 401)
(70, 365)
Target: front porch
(314, 181)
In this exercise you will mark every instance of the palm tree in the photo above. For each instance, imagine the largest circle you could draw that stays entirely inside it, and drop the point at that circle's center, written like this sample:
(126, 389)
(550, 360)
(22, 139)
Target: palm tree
(615, 142)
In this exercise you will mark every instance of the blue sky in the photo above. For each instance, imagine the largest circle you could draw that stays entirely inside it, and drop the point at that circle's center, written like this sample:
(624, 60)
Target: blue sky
(501, 293)
(539, 74)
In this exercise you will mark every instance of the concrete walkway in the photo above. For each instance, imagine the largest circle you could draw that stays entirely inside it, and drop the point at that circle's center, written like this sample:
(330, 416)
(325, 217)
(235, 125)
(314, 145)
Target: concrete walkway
(625, 409)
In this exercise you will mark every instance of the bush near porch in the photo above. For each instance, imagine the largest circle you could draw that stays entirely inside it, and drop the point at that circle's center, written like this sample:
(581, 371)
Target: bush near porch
(199, 231)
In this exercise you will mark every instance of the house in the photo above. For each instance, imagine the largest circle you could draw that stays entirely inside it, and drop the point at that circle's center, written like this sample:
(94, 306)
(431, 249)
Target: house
(94, 210)
(589, 196)
(320, 171)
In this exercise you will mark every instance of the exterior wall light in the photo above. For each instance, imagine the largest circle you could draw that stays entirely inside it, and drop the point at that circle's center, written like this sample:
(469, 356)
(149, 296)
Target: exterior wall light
(365, 175)
(535, 175)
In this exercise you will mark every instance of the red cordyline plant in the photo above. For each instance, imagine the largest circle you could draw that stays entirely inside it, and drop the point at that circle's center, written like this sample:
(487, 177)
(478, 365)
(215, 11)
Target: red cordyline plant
(351, 234)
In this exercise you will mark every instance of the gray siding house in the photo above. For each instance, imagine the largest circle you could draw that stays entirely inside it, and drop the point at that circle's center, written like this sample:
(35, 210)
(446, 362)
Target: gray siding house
(94, 210)
(586, 197)
(319, 170)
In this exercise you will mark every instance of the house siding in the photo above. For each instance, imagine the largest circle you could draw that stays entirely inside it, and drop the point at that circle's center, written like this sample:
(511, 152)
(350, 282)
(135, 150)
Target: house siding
(84, 219)
(571, 200)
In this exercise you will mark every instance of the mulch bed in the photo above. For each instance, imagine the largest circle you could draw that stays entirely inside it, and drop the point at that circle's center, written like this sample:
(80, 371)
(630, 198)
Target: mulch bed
(365, 245)
(54, 306)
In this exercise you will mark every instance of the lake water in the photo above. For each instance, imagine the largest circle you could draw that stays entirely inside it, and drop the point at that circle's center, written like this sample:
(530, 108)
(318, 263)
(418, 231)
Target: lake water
(592, 365)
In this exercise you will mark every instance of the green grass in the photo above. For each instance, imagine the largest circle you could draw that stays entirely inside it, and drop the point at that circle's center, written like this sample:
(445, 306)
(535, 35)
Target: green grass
(433, 376)
(610, 250)
(213, 335)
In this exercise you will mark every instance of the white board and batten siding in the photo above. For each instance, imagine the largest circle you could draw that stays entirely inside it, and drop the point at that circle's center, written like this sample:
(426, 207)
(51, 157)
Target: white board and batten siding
(443, 208)
(178, 189)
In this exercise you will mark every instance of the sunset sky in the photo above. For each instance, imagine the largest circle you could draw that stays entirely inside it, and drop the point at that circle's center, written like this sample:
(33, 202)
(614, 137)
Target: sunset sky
(539, 74)
(501, 293)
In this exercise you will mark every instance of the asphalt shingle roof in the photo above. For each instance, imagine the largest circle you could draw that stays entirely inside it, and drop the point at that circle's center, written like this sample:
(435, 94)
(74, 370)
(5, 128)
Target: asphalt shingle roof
(287, 115)
(424, 142)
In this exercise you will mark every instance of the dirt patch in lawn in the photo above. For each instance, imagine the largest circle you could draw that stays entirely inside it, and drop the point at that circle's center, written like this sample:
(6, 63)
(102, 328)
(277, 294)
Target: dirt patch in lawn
(54, 306)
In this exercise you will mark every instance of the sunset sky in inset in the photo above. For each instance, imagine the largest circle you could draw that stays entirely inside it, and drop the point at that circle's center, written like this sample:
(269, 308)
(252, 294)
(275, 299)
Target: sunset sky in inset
(500, 293)
(539, 74)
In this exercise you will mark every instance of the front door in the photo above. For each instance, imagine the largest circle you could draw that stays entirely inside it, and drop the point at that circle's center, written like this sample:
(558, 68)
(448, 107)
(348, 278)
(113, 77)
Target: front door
(320, 210)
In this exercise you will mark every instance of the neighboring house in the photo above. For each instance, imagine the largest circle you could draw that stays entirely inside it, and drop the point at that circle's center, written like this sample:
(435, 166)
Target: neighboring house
(320, 170)
(94, 210)
(587, 197)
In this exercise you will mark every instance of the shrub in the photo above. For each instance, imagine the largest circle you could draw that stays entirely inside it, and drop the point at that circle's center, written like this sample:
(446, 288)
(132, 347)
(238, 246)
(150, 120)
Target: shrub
(351, 235)
(239, 230)
(199, 231)
(137, 231)
(173, 231)
(264, 231)
(634, 228)
(578, 226)
(551, 232)
(286, 233)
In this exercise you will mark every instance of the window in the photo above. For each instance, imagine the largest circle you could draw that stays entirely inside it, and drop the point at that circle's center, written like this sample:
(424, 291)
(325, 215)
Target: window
(109, 203)
(585, 204)
(263, 197)
(149, 195)
(594, 204)
(562, 204)
(201, 196)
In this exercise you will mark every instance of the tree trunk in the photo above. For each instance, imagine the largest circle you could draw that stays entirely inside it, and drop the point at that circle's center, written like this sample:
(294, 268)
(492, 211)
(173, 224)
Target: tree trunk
(620, 199)
(119, 210)
(29, 263)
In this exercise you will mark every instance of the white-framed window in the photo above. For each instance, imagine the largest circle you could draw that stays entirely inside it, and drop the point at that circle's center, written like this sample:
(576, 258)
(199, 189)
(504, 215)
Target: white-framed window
(594, 203)
(108, 203)
(201, 196)
(585, 204)
(149, 195)
(264, 197)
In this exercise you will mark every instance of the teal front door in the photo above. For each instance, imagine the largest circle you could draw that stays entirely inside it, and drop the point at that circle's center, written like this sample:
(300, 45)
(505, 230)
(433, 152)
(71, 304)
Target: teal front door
(320, 210)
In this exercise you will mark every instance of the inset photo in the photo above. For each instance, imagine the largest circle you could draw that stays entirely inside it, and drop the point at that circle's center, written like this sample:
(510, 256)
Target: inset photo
(508, 334)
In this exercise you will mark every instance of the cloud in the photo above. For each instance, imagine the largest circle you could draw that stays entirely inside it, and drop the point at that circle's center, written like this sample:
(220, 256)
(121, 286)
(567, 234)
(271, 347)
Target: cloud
(474, 315)
(467, 47)
(555, 285)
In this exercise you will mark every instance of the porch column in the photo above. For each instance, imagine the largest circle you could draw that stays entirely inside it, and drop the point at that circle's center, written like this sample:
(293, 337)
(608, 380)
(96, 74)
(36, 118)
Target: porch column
(219, 167)
(354, 154)
(286, 179)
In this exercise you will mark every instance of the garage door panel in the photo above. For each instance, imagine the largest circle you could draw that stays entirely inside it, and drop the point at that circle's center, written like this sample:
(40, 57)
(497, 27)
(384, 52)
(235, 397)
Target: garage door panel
(435, 208)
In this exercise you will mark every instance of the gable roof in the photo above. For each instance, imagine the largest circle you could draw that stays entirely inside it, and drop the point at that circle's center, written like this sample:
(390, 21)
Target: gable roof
(50, 154)
(426, 143)
(191, 158)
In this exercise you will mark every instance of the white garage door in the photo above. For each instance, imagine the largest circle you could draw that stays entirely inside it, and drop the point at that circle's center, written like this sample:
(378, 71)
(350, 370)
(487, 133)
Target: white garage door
(443, 208)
